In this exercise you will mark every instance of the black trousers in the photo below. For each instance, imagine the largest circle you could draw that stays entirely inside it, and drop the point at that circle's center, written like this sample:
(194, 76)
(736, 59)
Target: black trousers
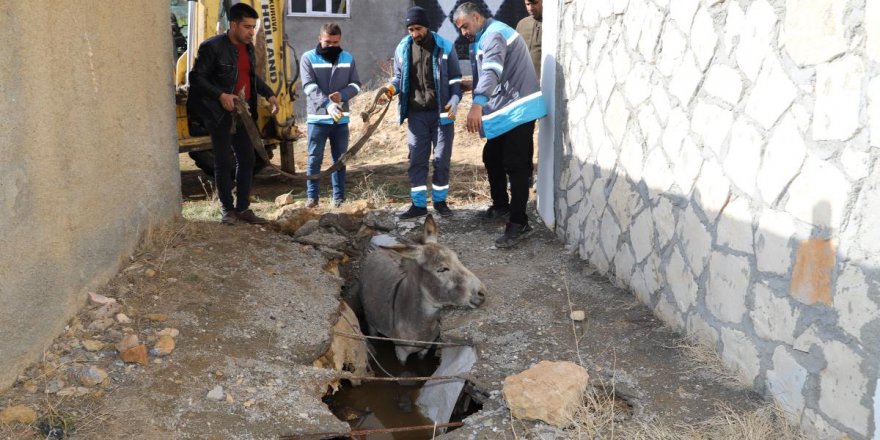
(233, 152)
(509, 157)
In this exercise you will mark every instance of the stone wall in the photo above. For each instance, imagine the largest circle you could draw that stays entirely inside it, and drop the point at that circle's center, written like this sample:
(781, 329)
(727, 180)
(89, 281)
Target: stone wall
(89, 156)
(719, 158)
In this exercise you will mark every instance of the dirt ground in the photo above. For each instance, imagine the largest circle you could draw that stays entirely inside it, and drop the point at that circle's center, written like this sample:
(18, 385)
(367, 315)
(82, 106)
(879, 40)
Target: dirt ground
(254, 309)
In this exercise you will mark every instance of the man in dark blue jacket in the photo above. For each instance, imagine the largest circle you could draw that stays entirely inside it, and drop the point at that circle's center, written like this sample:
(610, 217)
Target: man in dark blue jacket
(428, 79)
(225, 69)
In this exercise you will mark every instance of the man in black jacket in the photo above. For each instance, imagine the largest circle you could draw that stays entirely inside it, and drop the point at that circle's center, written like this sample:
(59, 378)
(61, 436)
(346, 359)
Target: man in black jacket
(224, 70)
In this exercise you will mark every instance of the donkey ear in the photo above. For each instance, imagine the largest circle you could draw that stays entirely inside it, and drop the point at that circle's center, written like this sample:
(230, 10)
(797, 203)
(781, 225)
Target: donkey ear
(405, 250)
(431, 230)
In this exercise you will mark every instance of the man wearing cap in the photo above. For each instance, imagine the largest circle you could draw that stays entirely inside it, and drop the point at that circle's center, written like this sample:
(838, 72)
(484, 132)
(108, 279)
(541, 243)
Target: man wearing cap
(428, 79)
(507, 101)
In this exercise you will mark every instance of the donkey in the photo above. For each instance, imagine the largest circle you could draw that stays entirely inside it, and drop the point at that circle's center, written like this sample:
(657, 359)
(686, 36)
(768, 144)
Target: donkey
(405, 286)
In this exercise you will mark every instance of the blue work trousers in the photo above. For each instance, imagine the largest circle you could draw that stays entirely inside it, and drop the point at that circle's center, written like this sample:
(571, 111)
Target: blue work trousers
(337, 134)
(424, 135)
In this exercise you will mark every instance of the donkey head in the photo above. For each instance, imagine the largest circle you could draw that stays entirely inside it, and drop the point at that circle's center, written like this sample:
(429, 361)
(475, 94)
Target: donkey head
(441, 276)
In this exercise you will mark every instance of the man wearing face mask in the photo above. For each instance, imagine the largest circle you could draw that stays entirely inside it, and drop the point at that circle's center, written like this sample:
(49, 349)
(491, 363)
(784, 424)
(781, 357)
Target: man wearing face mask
(428, 79)
(330, 80)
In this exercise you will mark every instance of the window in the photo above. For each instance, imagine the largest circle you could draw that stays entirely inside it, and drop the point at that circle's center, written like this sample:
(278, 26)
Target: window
(319, 8)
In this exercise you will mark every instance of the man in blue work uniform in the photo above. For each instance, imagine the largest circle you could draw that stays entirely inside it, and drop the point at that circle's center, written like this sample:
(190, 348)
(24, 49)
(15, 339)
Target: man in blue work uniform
(428, 79)
(330, 80)
(507, 101)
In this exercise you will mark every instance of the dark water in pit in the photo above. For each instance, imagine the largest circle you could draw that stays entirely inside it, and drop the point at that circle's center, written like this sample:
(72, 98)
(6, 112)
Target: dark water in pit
(376, 404)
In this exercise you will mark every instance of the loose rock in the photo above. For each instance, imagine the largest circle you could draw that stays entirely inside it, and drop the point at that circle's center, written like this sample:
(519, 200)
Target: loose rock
(17, 414)
(549, 391)
(340, 222)
(381, 220)
(150, 273)
(101, 324)
(122, 318)
(320, 238)
(127, 342)
(54, 385)
(578, 315)
(307, 228)
(216, 393)
(105, 311)
(164, 346)
(290, 218)
(99, 300)
(135, 355)
(284, 199)
(92, 345)
(92, 376)
(173, 332)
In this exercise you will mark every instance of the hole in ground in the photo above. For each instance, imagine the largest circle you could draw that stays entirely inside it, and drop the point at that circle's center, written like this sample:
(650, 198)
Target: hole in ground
(378, 405)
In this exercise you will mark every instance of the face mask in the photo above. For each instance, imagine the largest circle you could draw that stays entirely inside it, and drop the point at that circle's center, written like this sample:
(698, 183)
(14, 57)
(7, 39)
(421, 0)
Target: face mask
(329, 53)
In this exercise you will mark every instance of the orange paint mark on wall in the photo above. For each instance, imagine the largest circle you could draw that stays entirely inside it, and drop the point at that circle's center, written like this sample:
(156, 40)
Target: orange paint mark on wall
(813, 267)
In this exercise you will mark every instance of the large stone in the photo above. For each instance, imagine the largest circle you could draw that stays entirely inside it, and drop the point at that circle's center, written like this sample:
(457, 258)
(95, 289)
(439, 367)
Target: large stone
(842, 386)
(17, 414)
(661, 104)
(616, 117)
(814, 265)
(735, 226)
(321, 238)
(856, 163)
(649, 125)
(782, 159)
(674, 45)
(786, 380)
(712, 190)
(774, 318)
(838, 98)
(852, 302)
(685, 80)
(724, 82)
(682, 13)
(747, 143)
(681, 281)
(733, 25)
(623, 266)
(610, 234)
(695, 240)
(677, 128)
(872, 47)
(664, 220)
(740, 354)
(340, 222)
(604, 81)
(641, 235)
(755, 35)
(163, 346)
(549, 391)
(128, 341)
(704, 38)
(622, 62)
(728, 287)
(667, 313)
(92, 376)
(773, 247)
(657, 172)
(699, 329)
(290, 218)
(863, 229)
(688, 161)
(135, 355)
(813, 31)
(772, 94)
(712, 123)
(650, 32)
(632, 157)
(818, 195)
(638, 85)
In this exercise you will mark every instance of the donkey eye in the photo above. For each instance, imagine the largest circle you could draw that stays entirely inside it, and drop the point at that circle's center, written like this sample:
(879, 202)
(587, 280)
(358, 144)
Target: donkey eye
(443, 269)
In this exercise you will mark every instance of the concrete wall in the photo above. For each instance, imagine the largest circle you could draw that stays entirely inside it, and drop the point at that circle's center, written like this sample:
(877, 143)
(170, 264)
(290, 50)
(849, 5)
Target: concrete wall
(720, 159)
(89, 156)
(370, 33)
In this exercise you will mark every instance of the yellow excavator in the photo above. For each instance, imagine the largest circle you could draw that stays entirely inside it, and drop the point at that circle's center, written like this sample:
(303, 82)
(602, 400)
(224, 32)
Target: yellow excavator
(275, 63)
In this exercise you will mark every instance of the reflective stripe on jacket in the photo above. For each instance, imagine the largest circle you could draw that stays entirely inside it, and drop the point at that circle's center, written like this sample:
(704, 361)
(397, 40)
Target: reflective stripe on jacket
(447, 74)
(320, 78)
(505, 83)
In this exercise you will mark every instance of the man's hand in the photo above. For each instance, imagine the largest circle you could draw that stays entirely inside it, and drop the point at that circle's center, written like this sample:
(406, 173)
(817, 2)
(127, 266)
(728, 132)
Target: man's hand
(274, 101)
(335, 111)
(336, 97)
(389, 91)
(452, 106)
(475, 119)
(227, 101)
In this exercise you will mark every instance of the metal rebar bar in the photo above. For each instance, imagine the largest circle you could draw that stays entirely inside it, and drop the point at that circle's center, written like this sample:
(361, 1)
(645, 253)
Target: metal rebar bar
(364, 432)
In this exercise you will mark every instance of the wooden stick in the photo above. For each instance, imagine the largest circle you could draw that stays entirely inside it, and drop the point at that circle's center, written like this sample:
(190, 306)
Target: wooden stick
(360, 432)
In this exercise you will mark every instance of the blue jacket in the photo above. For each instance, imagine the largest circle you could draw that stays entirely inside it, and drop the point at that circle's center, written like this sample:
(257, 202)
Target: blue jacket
(320, 78)
(447, 74)
(505, 83)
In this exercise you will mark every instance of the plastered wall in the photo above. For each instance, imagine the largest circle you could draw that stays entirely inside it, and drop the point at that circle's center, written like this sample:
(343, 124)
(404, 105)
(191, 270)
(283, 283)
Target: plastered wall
(89, 156)
(719, 158)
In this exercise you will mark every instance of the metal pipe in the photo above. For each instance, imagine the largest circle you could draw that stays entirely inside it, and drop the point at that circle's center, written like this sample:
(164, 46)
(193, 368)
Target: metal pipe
(192, 22)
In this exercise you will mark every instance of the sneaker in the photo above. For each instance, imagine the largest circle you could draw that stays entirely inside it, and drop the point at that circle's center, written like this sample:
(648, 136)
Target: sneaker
(443, 209)
(311, 203)
(337, 203)
(513, 234)
(414, 212)
(248, 216)
(229, 218)
(495, 213)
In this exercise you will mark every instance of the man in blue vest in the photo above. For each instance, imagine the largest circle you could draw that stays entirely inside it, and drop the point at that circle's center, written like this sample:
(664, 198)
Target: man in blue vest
(428, 79)
(330, 80)
(507, 101)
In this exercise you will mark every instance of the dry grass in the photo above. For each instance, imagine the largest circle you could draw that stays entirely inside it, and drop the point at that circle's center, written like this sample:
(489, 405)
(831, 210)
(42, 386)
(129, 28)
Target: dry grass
(157, 240)
(62, 418)
(705, 359)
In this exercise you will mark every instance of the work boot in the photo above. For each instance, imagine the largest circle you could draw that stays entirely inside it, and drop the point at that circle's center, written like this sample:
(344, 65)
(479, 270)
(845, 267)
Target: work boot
(513, 234)
(414, 212)
(229, 218)
(248, 216)
(311, 203)
(443, 209)
(495, 213)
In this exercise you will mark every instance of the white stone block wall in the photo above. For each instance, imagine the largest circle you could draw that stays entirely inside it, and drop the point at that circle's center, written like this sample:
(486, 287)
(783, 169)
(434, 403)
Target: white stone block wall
(721, 159)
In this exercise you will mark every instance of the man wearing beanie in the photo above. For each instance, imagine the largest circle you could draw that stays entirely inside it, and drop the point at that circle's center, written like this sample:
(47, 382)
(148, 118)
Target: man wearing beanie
(428, 79)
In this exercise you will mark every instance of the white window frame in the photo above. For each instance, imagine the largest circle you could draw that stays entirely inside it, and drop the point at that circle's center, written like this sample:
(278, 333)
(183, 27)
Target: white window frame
(310, 13)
